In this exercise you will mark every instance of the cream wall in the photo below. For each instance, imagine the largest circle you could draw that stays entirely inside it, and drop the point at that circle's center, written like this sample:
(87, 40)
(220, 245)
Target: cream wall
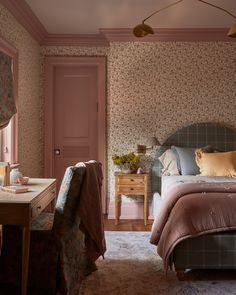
(30, 142)
(156, 88)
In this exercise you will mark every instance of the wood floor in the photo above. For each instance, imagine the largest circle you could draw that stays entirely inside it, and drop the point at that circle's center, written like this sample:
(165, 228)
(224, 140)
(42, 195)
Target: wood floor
(127, 225)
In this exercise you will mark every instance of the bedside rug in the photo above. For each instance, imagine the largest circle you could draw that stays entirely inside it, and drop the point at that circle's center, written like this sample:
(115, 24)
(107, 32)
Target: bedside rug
(133, 267)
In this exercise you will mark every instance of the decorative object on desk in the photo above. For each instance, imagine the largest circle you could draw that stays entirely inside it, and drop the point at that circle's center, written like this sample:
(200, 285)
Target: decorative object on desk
(5, 173)
(140, 170)
(143, 29)
(16, 189)
(127, 163)
(150, 143)
(23, 179)
(14, 175)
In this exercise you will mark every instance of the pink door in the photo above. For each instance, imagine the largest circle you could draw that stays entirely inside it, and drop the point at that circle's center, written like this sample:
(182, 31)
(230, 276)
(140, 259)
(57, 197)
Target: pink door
(75, 91)
(75, 116)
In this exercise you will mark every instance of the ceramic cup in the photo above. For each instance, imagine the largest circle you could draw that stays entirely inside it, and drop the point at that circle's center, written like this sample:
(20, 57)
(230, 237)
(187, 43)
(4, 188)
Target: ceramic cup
(14, 175)
(23, 179)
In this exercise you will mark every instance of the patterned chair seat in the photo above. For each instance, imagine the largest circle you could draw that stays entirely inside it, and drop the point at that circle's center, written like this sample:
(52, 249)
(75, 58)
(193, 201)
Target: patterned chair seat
(43, 222)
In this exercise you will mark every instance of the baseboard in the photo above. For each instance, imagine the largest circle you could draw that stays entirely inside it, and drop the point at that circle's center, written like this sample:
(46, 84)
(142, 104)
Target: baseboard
(129, 210)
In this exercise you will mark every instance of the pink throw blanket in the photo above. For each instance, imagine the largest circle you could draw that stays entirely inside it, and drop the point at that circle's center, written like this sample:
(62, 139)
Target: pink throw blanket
(193, 209)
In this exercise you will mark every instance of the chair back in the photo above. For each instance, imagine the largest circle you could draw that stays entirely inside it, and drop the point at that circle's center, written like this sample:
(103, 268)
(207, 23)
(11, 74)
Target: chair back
(67, 205)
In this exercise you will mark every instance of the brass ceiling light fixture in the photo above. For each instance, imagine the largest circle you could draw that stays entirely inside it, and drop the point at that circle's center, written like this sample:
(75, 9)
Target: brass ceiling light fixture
(143, 29)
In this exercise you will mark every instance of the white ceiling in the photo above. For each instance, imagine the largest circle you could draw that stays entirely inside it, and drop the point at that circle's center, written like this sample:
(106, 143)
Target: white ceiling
(87, 16)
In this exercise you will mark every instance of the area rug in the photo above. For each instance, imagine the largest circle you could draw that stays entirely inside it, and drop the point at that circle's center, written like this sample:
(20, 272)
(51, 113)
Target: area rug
(132, 267)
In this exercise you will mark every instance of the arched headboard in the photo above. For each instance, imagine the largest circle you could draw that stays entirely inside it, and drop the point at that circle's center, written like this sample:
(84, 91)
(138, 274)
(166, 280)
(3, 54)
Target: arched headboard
(196, 135)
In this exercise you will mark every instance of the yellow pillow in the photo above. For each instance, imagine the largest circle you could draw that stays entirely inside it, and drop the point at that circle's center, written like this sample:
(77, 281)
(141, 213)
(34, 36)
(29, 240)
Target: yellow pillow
(216, 164)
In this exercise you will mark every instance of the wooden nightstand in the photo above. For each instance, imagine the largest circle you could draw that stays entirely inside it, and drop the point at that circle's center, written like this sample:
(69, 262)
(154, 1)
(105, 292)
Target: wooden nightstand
(131, 184)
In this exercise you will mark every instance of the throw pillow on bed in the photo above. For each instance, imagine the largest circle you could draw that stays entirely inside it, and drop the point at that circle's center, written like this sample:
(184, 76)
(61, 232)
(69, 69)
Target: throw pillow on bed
(216, 164)
(177, 158)
(169, 163)
(186, 159)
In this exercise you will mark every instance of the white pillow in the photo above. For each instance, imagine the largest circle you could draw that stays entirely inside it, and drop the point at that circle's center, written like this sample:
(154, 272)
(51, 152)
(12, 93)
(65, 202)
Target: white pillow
(169, 162)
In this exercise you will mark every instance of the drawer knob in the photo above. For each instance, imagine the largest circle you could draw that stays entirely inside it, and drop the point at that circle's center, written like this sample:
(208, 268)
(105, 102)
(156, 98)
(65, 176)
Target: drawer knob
(131, 179)
(131, 188)
(39, 207)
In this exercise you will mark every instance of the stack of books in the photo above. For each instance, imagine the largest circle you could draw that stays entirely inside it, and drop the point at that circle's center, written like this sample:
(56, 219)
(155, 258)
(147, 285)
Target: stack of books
(15, 189)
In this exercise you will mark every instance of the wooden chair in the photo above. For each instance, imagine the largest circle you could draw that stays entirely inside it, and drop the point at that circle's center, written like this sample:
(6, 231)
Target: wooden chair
(58, 256)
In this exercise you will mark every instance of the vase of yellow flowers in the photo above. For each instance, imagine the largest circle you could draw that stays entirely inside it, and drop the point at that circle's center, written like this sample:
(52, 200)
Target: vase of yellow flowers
(127, 163)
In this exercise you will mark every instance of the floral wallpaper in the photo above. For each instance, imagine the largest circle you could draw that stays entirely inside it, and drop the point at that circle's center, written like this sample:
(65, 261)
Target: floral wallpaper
(156, 88)
(29, 106)
(153, 89)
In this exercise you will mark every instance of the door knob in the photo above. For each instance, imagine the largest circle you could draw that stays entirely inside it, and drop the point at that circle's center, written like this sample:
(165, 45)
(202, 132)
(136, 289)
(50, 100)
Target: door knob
(57, 152)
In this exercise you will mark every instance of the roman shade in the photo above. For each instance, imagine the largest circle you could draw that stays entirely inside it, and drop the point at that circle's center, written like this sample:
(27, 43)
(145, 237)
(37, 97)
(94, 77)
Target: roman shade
(7, 102)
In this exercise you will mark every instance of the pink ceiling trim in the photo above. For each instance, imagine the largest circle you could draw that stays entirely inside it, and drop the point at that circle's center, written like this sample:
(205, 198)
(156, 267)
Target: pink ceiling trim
(163, 34)
(75, 40)
(25, 16)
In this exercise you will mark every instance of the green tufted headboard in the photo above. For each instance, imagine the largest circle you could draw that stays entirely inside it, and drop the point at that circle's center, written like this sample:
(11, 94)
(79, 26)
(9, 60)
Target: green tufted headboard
(196, 135)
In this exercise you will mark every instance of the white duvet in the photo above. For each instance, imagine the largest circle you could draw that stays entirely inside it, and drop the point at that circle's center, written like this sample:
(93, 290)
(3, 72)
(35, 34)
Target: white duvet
(168, 181)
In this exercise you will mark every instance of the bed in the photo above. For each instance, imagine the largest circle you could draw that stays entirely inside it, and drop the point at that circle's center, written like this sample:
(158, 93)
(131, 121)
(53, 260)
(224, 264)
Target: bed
(211, 250)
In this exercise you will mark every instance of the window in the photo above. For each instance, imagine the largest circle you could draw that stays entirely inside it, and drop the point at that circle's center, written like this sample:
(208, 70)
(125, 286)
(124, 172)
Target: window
(8, 135)
(7, 143)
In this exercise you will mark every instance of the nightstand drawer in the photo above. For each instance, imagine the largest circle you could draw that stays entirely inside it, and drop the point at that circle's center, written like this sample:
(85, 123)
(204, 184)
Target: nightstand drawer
(129, 189)
(130, 180)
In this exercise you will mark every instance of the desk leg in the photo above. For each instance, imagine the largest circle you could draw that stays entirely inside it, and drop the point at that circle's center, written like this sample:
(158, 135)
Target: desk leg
(116, 208)
(25, 258)
(0, 238)
(145, 208)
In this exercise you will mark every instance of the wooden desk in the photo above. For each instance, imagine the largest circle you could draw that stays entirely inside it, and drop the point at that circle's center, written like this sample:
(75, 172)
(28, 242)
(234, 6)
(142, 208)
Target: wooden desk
(131, 184)
(21, 209)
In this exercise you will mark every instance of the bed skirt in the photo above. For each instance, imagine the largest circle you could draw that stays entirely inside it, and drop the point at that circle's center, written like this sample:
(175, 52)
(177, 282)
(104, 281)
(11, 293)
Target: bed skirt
(211, 251)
